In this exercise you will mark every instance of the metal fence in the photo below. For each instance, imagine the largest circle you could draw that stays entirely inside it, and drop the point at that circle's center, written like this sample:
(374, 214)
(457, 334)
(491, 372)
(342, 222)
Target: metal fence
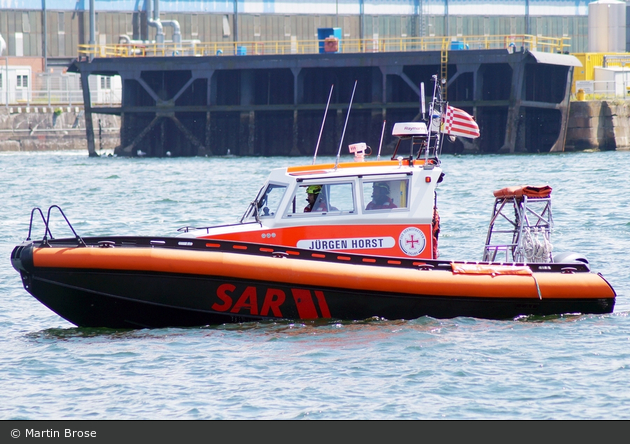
(614, 89)
(294, 46)
(50, 89)
(46, 89)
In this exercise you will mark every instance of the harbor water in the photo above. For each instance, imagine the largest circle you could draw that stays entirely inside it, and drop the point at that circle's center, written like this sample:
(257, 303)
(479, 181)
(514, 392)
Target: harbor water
(557, 367)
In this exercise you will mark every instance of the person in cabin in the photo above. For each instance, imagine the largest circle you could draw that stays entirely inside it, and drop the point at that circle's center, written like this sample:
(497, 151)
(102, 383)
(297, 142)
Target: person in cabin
(316, 199)
(380, 197)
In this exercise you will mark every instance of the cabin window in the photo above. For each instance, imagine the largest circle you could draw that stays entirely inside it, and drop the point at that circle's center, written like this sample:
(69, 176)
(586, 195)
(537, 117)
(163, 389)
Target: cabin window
(270, 201)
(334, 198)
(341, 197)
(385, 194)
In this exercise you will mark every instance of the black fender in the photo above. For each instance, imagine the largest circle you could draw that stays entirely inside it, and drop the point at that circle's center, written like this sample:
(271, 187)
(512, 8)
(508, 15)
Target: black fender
(22, 257)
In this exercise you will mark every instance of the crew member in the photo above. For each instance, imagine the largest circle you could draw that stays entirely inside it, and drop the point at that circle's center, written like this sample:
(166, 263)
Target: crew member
(380, 197)
(315, 199)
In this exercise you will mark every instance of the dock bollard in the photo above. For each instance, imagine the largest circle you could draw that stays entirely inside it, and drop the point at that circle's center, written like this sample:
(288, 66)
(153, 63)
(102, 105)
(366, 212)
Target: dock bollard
(580, 95)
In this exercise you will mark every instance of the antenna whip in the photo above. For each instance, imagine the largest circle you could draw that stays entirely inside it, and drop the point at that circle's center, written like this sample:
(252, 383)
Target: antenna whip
(345, 124)
(323, 121)
(380, 145)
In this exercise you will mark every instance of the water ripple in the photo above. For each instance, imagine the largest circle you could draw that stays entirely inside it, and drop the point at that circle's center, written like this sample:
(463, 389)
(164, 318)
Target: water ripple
(549, 367)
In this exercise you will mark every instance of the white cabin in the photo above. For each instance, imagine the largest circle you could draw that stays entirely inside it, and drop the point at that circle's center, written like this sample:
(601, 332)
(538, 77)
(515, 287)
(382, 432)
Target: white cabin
(348, 213)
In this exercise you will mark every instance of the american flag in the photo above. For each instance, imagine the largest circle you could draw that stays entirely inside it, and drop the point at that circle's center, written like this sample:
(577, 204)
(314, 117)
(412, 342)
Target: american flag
(456, 122)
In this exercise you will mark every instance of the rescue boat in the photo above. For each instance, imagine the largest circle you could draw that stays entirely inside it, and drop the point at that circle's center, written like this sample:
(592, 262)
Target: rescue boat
(365, 246)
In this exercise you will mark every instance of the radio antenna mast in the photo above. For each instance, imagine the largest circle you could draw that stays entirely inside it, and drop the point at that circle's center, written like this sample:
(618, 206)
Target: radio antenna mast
(422, 105)
(345, 125)
(323, 121)
(380, 145)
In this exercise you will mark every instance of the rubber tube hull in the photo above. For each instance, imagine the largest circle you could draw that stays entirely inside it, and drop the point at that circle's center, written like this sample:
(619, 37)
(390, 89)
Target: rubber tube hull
(153, 287)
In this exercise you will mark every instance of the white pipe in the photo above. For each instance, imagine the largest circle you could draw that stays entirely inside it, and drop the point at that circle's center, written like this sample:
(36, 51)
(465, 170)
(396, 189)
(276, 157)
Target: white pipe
(159, 31)
(177, 35)
(123, 39)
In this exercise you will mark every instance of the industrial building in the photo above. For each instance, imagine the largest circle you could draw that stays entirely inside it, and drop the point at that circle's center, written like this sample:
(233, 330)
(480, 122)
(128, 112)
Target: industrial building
(186, 89)
(54, 29)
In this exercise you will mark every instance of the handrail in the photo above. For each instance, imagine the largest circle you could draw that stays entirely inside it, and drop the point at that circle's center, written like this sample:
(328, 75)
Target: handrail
(30, 225)
(47, 233)
(77, 237)
(365, 45)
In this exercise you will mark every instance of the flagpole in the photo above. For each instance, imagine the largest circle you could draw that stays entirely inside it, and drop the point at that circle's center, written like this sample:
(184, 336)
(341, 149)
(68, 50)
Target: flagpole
(431, 117)
(439, 141)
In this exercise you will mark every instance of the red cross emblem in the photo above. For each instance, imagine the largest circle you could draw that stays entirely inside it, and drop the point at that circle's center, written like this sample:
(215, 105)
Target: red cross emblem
(412, 241)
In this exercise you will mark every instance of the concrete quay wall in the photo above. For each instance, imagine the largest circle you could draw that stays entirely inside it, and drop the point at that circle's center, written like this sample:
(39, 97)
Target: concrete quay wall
(598, 125)
(593, 125)
(39, 128)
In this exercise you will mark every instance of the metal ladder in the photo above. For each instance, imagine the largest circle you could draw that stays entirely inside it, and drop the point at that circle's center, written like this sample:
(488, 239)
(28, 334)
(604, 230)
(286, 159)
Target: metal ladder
(520, 230)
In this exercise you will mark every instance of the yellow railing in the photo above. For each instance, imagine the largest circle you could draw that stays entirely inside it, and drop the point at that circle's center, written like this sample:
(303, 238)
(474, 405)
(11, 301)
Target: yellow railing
(402, 44)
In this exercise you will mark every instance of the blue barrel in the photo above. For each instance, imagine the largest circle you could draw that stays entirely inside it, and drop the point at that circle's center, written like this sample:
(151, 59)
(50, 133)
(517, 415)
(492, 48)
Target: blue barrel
(456, 45)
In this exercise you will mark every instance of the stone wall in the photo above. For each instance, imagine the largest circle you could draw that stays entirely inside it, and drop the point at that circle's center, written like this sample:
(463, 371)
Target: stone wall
(54, 128)
(602, 125)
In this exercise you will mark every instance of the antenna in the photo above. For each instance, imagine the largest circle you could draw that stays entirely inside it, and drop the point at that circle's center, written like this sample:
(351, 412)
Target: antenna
(422, 107)
(345, 125)
(380, 145)
(323, 121)
(435, 98)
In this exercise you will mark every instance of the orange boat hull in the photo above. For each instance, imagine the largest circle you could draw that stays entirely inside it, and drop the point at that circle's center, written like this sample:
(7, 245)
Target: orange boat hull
(216, 282)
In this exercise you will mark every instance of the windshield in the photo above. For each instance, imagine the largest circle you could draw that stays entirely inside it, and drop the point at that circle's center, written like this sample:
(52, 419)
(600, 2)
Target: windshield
(268, 202)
